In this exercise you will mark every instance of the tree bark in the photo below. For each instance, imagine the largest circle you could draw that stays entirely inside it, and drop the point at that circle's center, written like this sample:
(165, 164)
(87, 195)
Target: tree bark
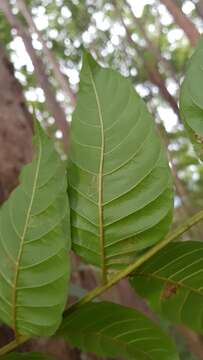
(15, 129)
(53, 106)
(182, 21)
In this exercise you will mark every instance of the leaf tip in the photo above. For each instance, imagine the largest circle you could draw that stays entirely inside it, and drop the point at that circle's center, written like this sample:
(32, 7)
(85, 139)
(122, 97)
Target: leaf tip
(88, 61)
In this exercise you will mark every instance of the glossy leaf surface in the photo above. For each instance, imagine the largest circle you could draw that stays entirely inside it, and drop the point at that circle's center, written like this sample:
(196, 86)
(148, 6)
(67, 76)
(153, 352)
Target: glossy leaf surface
(172, 282)
(119, 180)
(112, 330)
(34, 245)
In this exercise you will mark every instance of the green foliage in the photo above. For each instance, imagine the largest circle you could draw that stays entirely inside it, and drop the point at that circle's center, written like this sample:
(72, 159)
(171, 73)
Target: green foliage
(119, 180)
(121, 198)
(179, 58)
(172, 282)
(191, 100)
(80, 15)
(34, 242)
(29, 356)
(111, 330)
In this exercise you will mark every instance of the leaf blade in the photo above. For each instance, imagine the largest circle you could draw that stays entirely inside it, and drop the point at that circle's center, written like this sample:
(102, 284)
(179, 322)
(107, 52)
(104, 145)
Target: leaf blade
(109, 205)
(109, 329)
(172, 283)
(34, 241)
(191, 100)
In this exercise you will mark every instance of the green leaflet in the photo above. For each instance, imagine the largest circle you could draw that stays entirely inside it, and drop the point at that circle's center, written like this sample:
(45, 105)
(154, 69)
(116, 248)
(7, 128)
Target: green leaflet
(191, 100)
(108, 329)
(34, 245)
(119, 180)
(29, 356)
(172, 282)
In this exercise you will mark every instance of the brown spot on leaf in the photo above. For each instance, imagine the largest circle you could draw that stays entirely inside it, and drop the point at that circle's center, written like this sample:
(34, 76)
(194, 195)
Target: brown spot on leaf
(199, 139)
(169, 290)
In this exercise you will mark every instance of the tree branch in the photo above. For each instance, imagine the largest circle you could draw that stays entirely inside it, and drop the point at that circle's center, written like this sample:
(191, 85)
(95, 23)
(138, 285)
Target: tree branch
(62, 81)
(152, 47)
(118, 276)
(199, 7)
(53, 106)
(153, 73)
(182, 21)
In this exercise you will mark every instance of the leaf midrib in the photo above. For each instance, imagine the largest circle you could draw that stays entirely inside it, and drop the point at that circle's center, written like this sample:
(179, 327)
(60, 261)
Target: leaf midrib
(100, 184)
(17, 268)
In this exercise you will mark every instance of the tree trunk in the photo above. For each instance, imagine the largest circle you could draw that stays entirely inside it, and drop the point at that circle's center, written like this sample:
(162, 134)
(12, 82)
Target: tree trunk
(182, 21)
(15, 129)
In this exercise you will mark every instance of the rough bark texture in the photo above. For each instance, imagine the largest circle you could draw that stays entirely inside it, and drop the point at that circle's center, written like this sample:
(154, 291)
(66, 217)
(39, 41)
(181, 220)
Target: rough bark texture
(15, 128)
(182, 21)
